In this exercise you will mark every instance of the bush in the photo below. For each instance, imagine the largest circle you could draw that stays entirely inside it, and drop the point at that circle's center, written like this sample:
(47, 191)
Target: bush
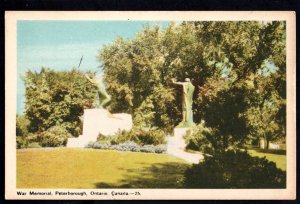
(26, 140)
(160, 149)
(21, 142)
(235, 170)
(129, 146)
(141, 136)
(111, 139)
(199, 138)
(54, 137)
(22, 125)
(148, 148)
(33, 145)
(209, 140)
(100, 146)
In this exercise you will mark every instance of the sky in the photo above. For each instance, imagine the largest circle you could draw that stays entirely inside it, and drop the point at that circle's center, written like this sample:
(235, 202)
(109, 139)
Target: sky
(60, 44)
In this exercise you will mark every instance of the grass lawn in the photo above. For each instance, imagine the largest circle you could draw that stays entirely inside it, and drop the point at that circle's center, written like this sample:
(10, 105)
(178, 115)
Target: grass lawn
(279, 159)
(90, 168)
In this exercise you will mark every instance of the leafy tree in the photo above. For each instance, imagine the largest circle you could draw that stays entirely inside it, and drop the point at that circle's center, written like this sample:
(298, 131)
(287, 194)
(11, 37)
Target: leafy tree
(133, 72)
(227, 61)
(57, 98)
(250, 79)
(264, 119)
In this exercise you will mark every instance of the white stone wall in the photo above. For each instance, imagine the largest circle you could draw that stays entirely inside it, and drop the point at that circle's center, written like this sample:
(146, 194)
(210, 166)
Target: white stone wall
(97, 121)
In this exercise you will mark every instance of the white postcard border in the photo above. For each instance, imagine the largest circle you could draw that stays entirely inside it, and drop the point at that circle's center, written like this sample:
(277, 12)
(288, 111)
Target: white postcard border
(11, 18)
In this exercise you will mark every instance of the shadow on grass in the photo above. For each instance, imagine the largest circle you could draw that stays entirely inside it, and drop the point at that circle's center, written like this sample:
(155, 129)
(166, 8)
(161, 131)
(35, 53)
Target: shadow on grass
(159, 175)
(228, 170)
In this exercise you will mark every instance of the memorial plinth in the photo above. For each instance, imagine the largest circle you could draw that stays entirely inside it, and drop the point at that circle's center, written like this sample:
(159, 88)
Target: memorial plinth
(97, 121)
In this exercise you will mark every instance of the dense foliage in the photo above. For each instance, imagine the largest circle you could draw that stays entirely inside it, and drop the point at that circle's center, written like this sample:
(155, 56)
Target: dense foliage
(238, 69)
(21, 126)
(53, 137)
(235, 170)
(141, 136)
(203, 139)
(27, 140)
(57, 98)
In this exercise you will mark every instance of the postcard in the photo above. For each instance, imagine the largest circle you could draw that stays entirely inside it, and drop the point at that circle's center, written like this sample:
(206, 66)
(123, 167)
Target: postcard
(150, 105)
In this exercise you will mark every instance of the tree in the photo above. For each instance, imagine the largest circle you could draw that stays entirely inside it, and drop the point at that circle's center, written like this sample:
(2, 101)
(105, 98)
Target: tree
(253, 87)
(263, 116)
(227, 62)
(57, 98)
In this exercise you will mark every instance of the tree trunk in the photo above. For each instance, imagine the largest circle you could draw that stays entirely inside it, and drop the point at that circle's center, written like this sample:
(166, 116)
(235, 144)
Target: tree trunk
(267, 145)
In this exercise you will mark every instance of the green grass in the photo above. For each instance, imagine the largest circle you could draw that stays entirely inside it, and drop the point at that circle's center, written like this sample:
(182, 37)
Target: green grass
(90, 168)
(279, 159)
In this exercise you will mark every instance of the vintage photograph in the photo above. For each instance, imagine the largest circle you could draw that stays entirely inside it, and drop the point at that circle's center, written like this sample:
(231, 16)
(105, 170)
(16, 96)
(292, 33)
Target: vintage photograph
(118, 104)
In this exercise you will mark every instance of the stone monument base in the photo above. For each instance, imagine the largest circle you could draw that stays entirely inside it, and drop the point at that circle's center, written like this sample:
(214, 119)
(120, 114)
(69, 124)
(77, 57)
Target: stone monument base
(101, 121)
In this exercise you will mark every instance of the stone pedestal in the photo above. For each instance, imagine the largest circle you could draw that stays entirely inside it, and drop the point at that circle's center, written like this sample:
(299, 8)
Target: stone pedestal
(97, 121)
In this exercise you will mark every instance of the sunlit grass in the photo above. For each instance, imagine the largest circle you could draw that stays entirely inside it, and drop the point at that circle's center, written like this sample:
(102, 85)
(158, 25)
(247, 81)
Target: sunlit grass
(90, 168)
(279, 159)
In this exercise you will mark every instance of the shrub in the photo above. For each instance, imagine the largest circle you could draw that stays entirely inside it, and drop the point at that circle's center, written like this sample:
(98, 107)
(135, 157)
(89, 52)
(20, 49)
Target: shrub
(31, 137)
(22, 125)
(160, 149)
(129, 146)
(148, 148)
(235, 170)
(54, 137)
(209, 140)
(141, 136)
(21, 142)
(152, 137)
(26, 140)
(33, 145)
(100, 146)
(199, 138)
(111, 139)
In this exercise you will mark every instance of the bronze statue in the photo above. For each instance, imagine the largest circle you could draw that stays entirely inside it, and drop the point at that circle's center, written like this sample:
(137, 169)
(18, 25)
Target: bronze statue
(187, 102)
(103, 97)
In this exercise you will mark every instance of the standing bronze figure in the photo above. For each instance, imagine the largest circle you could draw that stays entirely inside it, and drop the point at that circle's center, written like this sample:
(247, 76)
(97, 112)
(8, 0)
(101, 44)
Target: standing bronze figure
(103, 97)
(187, 102)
